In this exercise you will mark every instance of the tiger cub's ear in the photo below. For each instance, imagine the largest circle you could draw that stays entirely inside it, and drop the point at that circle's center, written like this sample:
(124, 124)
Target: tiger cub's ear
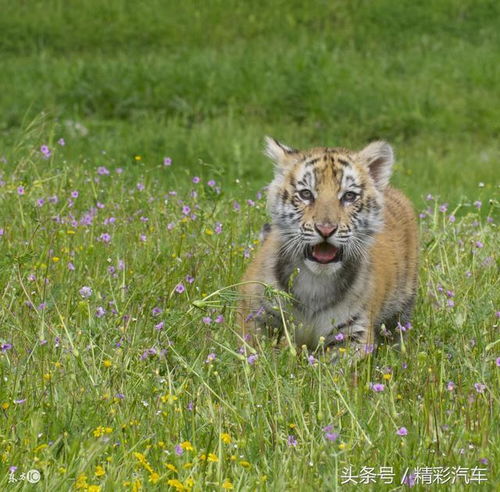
(280, 154)
(379, 158)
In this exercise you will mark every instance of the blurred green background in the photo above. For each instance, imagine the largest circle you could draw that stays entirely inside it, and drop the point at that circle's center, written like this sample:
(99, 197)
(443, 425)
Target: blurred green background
(204, 81)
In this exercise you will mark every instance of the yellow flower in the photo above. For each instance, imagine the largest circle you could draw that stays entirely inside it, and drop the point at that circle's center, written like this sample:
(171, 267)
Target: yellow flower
(387, 376)
(209, 232)
(171, 467)
(99, 471)
(98, 431)
(292, 426)
(342, 446)
(187, 446)
(47, 377)
(70, 232)
(176, 484)
(81, 481)
(61, 470)
(212, 457)
(154, 477)
(137, 157)
(189, 482)
(94, 488)
(187, 465)
(168, 398)
(40, 448)
(57, 365)
(5, 406)
(227, 485)
(225, 437)
(107, 363)
(55, 259)
(245, 464)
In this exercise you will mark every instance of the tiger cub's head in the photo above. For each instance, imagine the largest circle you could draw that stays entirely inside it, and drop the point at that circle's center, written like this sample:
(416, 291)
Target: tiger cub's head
(327, 203)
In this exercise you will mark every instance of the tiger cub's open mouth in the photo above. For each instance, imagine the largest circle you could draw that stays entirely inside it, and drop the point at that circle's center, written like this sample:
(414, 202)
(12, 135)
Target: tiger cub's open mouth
(324, 253)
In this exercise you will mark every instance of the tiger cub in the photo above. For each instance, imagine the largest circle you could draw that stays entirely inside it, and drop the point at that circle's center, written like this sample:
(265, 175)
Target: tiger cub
(342, 242)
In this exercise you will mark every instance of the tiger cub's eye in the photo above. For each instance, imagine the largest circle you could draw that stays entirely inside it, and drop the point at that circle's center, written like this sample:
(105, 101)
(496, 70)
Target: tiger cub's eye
(349, 197)
(306, 194)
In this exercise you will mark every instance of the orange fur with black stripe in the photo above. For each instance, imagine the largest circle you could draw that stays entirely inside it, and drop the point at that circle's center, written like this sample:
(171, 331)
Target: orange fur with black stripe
(342, 242)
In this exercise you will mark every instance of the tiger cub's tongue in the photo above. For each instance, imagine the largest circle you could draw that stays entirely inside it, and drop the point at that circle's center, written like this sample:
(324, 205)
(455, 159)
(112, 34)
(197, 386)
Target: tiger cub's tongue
(324, 252)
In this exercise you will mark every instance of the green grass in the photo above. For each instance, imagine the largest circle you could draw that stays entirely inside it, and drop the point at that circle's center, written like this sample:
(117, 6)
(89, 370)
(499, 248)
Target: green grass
(204, 81)
(72, 367)
(126, 84)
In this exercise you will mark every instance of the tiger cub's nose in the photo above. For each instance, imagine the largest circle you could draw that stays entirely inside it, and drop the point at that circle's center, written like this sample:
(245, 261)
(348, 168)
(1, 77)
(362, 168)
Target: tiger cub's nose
(326, 230)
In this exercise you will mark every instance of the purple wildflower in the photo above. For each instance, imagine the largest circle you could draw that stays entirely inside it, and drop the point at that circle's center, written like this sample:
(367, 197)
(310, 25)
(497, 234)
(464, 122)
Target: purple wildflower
(61, 142)
(104, 237)
(180, 288)
(85, 292)
(312, 360)
(196, 180)
(250, 203)
(178, 450)
(100, 312)
(498, 362)
(443, 208)
(452, 218)
(186, 210)
(20, 190)
(479, 244)
(402, 431)
(103, 171)
(20, 402)
(74, 194)
(429, 197)
(219, 319)
(252, 358)
(167, 161)
(156, 311)
(218, 228)
(377, 387)
(450, 386)
(207, 320)
(210, 358)
(450, 303)
(480, 387)
(45, 151)
(5, 346)
(189, 279)
(211, 183)
(160, 326)
(331, 436)
(477, 204)
(291, 441)
(140, 186)
(40, 202)
(410, 480)
(236, 206)
(339, 337)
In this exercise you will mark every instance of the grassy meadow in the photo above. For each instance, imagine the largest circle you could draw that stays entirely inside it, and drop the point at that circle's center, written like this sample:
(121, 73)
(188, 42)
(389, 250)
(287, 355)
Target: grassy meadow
(131, 200)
